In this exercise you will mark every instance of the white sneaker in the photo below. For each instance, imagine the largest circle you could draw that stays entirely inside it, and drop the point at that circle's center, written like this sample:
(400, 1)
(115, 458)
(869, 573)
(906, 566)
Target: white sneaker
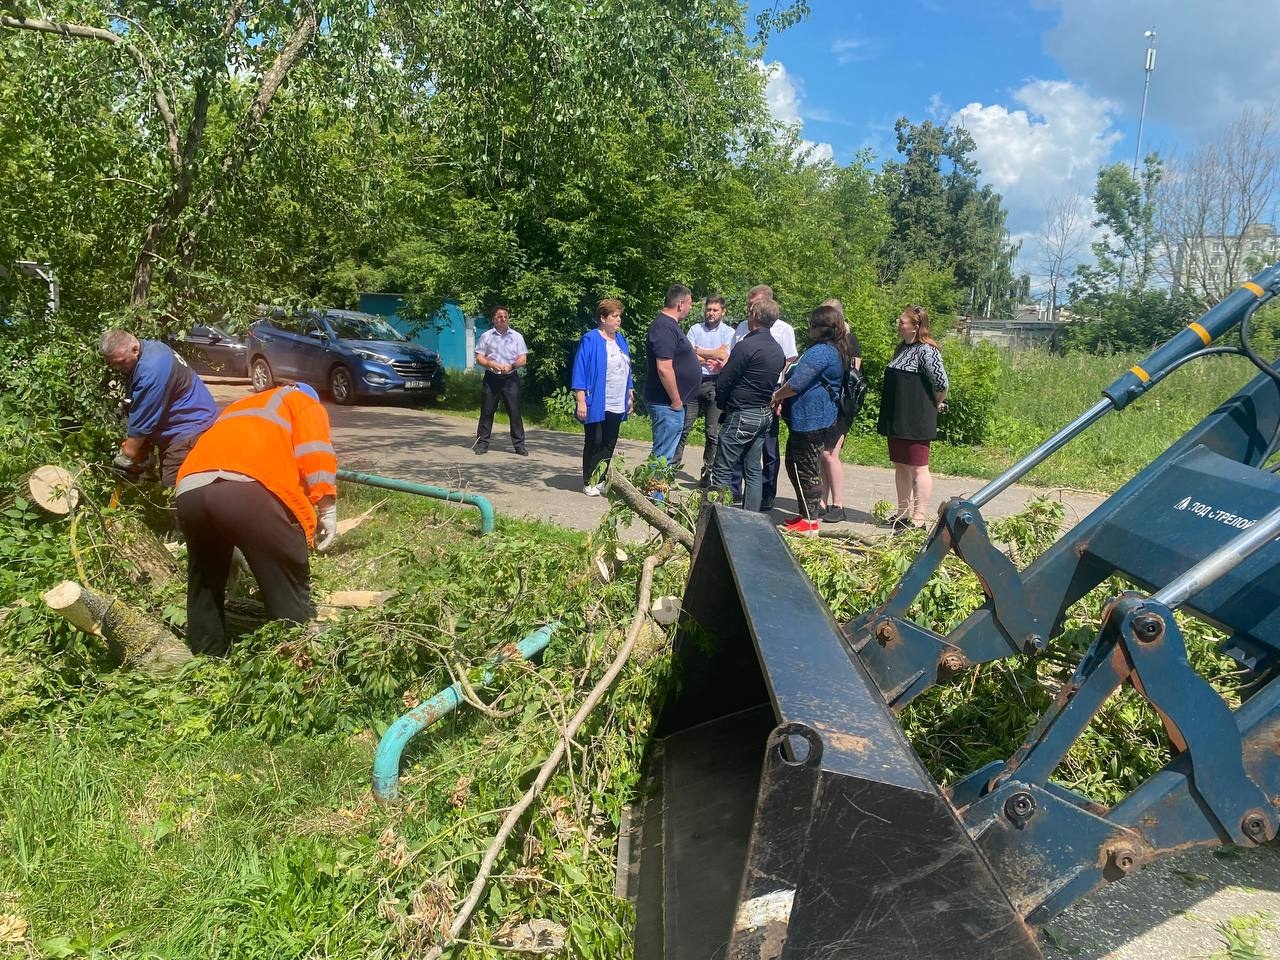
(591, 490)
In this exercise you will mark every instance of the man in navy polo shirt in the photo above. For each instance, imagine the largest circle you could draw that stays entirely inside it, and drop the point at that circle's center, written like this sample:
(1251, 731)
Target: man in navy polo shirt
(674, 373)
(169, 405)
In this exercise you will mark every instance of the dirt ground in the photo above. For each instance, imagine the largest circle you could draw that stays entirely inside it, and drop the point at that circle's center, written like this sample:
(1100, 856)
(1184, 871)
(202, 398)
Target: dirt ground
(1170, 911)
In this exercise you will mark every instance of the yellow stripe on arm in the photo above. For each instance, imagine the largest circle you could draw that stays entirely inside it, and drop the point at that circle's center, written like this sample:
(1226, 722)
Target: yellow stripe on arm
(1253, 288)
(1201, 332)
(1140, 374)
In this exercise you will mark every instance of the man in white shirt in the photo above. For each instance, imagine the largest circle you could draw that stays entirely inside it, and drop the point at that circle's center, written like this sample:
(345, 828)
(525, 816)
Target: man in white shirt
(711, 338)
(501, 351)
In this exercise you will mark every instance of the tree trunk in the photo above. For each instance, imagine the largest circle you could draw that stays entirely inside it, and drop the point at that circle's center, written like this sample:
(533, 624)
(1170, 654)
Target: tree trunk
(246, 140)
(137, 640)
(149, 561)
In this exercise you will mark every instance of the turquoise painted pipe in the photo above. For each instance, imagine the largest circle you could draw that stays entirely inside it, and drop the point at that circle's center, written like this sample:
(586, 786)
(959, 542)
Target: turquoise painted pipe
(423, 490)
(386, 762)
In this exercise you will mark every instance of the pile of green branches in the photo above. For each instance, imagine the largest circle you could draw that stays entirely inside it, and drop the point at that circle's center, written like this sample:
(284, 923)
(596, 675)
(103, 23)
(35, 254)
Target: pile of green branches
(226, 811)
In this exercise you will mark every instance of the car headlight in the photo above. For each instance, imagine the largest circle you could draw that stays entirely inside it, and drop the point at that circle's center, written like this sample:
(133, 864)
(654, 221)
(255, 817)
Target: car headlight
(370, 355)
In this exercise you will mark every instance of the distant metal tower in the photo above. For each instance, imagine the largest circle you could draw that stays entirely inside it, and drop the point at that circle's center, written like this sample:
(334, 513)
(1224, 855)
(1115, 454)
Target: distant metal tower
(1149, 67)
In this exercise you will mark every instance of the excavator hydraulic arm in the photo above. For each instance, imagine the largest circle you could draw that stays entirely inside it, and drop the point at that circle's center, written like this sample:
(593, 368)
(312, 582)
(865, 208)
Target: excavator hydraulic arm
(786, 815)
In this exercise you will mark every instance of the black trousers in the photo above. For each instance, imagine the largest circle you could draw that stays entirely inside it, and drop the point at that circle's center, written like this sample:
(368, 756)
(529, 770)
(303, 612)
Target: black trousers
(504, 386)
(598, 442)
(804, 467)
(709, 410)
(226, 514)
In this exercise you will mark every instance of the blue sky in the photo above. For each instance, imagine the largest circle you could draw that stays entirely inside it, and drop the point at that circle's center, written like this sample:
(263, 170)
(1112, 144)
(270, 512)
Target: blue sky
(1050, 89)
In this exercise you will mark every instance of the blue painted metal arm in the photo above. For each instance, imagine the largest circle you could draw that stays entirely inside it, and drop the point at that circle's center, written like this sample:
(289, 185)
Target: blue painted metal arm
(425, 490)
(386, 762)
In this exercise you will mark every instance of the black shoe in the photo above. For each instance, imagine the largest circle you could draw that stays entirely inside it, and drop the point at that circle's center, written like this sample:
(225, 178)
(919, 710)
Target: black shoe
(766, 506)
(480, 448)
(521, 451)
(834, 515)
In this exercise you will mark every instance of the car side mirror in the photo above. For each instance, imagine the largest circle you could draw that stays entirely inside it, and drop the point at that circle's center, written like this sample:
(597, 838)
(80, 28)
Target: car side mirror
(317, 335)
(215, 338)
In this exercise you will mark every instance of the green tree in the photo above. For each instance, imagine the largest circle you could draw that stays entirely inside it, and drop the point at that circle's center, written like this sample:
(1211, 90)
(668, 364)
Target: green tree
(1126, 207)
(942, 216)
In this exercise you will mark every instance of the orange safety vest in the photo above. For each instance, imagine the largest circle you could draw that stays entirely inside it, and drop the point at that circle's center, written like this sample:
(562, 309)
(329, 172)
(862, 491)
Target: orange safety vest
(280, 438)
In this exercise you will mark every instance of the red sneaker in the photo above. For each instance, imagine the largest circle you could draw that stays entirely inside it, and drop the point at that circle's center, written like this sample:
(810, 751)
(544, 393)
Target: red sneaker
(800, 525)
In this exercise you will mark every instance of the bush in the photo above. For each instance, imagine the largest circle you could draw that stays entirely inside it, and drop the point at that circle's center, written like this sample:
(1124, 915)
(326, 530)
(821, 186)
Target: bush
(974, 373)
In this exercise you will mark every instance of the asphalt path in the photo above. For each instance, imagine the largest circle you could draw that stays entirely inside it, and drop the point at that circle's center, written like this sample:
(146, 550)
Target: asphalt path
(1170, 911)
(428, 446)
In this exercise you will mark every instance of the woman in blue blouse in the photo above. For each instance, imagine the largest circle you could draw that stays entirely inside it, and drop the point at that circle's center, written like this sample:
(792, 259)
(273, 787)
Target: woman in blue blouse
(814, 383)
(604, 389)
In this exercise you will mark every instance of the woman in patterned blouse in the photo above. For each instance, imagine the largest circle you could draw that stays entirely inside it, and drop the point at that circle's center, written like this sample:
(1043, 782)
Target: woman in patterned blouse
(915, 392)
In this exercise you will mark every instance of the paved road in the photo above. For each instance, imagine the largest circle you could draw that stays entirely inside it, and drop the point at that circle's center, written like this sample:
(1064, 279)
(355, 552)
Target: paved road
(1167, 912)
(431, 447)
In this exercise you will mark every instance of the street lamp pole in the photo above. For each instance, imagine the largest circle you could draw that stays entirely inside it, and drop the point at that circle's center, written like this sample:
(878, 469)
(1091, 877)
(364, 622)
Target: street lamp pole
(1149, 67)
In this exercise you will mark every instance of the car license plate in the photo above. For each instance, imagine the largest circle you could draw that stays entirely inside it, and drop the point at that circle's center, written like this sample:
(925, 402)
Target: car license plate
(416, 384)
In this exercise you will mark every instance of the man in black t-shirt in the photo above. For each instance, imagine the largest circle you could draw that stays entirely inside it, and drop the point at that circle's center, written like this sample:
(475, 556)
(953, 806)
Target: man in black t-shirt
(674, 373)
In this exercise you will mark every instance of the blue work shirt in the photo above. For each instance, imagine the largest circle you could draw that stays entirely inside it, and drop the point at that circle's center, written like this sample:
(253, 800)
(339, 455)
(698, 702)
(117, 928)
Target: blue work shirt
(167, 400)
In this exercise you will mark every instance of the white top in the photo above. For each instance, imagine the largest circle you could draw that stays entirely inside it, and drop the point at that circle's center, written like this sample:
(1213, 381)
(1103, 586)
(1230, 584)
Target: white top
(708, 338)
(504, 348)
(617, 368)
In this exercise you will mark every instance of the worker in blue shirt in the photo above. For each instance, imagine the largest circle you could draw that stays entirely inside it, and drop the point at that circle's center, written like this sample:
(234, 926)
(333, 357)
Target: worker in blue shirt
(169, 405)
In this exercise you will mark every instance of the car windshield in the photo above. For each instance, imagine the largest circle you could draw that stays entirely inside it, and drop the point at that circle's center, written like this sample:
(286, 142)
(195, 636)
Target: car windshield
(363, 328)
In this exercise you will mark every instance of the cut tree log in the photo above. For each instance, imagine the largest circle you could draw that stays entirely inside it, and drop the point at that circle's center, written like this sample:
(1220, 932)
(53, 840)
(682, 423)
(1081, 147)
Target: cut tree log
(150, 561)
(51, 488)
(136, 639)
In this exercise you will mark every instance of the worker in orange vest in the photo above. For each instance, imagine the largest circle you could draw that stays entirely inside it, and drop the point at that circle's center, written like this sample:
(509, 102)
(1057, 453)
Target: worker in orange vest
(263, 478)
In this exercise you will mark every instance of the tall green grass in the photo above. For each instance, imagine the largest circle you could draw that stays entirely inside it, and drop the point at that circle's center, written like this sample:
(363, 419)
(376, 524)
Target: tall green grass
(1040, 393)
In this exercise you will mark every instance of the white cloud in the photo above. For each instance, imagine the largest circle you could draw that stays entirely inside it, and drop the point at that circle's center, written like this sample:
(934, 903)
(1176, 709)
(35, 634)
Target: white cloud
(1212, 59)
(784, 95)
(852, 49)
(1051, 148)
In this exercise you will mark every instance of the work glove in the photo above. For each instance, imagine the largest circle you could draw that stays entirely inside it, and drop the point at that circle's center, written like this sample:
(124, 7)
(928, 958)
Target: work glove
(326, 526)
(125, 467)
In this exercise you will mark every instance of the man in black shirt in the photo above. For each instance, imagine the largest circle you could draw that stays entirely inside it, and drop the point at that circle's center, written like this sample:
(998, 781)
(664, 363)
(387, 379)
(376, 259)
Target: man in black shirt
(744, 391)
(674, 373)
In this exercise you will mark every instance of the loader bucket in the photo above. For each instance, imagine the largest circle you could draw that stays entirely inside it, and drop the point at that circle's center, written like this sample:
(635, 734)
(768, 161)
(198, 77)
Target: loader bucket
(785, 813)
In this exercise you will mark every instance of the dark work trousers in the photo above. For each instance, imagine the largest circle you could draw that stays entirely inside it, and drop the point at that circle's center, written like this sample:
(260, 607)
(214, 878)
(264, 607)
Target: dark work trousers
(230, 513)
(172, 456)
(507, 387)
(804, 467)
(707, 409)
(597, 444)
(771, 469)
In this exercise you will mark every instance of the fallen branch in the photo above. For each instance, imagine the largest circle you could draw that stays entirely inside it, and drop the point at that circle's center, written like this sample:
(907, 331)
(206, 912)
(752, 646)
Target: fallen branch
(645, 510)
(136, 639)
(597, 693)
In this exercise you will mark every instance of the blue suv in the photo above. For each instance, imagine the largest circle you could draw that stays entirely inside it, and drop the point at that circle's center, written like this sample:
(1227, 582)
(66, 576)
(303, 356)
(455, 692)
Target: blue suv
(351, 355)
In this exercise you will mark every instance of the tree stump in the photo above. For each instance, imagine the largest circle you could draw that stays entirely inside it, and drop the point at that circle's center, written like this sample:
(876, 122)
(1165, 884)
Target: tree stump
(136, 639)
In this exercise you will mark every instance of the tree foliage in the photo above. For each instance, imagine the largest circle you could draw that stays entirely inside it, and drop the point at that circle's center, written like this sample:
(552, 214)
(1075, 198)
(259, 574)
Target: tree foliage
(942, 216)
